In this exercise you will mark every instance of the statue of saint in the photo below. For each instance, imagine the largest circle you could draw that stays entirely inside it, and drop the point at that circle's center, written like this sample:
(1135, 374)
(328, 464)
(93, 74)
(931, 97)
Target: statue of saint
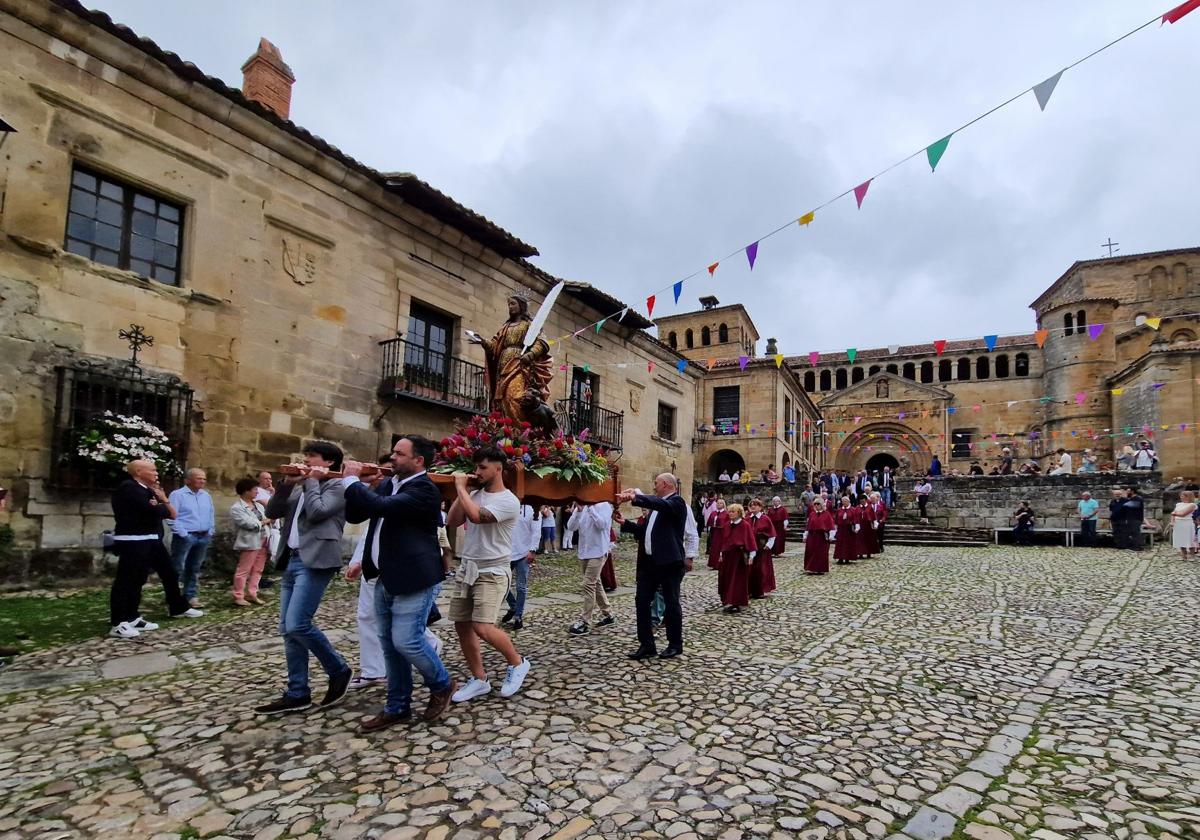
(518, 382)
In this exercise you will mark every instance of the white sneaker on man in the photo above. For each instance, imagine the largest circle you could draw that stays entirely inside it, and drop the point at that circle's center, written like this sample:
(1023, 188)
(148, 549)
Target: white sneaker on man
(191, 612)
(475, 688)
(516, 676)
(435, 641)
(124, 630)
(142, 625)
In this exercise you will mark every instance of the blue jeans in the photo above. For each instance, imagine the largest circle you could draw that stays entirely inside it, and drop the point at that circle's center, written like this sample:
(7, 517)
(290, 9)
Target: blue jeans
(187, 556)
(300, 593)
(520, 587)
(887, 496)
(401, 622)
(657, 607)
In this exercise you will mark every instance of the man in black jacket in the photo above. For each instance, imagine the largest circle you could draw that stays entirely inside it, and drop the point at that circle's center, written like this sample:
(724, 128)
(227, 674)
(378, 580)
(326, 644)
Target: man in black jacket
(660, 562)
(402, 550)
(140, 506)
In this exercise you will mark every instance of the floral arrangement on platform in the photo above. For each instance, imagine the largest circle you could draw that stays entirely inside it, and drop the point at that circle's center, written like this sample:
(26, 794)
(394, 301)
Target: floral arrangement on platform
(113, 440)
(568, 457)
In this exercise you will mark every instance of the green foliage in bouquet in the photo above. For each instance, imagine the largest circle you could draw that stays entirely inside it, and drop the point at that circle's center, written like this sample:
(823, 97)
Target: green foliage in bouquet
(113, 440)
(568, 457)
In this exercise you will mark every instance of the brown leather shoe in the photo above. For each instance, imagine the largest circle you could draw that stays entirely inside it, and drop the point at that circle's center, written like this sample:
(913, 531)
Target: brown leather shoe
(438, 701)
(383, 720)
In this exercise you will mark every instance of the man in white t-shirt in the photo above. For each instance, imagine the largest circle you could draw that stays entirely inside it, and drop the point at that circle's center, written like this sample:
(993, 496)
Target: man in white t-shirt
(1064, 463)
(1145, 457)
(483, 577)
(594, 524)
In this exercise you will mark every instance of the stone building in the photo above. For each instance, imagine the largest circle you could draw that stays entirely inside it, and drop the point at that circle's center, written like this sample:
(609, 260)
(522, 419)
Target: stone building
(291, 291)
(751, 411)
(1114, 361)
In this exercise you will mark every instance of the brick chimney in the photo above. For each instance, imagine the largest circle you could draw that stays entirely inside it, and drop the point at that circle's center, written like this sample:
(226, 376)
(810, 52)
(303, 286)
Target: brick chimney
(267, 80)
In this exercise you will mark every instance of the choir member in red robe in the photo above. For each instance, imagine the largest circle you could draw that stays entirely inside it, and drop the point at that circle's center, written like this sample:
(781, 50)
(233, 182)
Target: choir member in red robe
(818, 528)
(779, 518)
(881, 517)
(846, 517)
(718, 525)
(762, 573)
(866, 539)
(608, 572)
(737, 554)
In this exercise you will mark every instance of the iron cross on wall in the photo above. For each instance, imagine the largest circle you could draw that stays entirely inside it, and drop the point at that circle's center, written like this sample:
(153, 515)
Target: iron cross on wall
(136, 338)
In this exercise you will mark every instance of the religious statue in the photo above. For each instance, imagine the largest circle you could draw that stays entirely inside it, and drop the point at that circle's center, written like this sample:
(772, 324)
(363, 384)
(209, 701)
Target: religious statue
(518, 376)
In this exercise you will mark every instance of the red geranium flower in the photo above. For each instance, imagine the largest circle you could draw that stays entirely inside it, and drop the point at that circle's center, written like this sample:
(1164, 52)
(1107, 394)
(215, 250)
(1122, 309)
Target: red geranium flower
(543, 452)
(470, 432)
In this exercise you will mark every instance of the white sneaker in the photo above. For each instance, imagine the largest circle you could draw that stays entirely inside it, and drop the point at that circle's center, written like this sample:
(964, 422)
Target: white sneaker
(142, 625)
(124, 630)
(436, 641)
(516, 676)
(475, 688)
(191, 612)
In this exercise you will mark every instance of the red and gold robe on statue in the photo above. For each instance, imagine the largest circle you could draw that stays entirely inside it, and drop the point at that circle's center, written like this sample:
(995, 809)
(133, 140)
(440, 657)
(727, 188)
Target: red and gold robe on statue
(733, 577)
(816, 543)
(868, 540)
(846, 548)
(779, 518)
(718, 525)
(762, 573)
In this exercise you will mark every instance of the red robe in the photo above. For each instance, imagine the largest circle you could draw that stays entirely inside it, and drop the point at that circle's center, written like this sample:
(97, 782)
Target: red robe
(608, 573)
(846, 548)
(718, 525)
(779, 515)
(733, 577)
(762, 573)
(867, 542)
(816, 544)
(881, 516)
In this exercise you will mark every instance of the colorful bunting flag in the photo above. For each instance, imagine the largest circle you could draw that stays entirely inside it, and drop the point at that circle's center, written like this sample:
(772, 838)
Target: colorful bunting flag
(939, 345)
(649, 367)
(1153, 323)
(743, 361)
(860, 192)
(678, 289)
(681, 365)
(650, 306)
(712, 363)
(852, 354)
(1116, 392)
(856, 419)
(893, 349)
(778, 360)
(951, 410)
(1042, 90)
(624, 312)
(562, 367)
(712, 269)
(577, 332)
(1040, 337)
(1156, 386)
(1081, 398)
(1094, 331)
(813, 358)
(600, 325)
(1180, 10)
(752, 253)
(990, 341)
(935, 152)
(807, 218)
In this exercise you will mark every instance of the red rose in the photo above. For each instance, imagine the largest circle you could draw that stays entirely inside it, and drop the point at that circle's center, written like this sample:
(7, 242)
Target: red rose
(509, 449)
(570, 439)
(543, 452)
(445, 441)
(485, 437)
(470, 432)
(558, 444)
(525, 424)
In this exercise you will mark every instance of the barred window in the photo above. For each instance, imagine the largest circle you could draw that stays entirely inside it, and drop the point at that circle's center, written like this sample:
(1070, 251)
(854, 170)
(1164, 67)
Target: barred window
(666, 421)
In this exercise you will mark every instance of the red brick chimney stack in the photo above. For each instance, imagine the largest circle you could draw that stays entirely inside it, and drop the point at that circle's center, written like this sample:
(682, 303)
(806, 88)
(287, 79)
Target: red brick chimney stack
(267, 80)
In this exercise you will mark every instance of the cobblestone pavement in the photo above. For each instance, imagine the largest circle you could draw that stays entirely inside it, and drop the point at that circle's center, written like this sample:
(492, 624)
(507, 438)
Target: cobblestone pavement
(985, 693)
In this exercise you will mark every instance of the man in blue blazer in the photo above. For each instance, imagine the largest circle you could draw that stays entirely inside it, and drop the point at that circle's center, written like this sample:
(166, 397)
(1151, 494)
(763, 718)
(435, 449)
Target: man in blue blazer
(402, 550)
(660, 562)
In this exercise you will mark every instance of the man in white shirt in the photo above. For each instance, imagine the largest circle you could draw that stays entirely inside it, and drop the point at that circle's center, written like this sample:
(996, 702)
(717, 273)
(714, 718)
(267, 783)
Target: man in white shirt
(525, 540)
(1064, 463)
(594, 524)
(1145, 457)
(724, 477)
(482, 580)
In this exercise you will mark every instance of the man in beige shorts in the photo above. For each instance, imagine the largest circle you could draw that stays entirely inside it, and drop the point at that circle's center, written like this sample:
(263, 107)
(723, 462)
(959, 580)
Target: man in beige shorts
(482, 580)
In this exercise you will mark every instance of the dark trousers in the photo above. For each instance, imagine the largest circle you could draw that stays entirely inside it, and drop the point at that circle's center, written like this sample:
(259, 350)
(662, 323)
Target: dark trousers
(1087, 532)
(1023, 534)
(135, 560)
(649, 580)
(1129, 535)
(922, 501)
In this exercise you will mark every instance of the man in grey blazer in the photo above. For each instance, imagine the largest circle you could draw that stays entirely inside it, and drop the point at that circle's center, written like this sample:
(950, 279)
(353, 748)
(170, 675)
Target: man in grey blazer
(313, 513)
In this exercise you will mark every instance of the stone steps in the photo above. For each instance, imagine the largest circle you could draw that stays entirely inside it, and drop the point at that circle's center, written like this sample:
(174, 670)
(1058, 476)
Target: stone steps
(906, 531)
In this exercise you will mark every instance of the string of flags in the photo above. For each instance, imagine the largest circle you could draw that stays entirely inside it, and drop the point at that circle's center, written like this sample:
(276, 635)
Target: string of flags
(933, 153)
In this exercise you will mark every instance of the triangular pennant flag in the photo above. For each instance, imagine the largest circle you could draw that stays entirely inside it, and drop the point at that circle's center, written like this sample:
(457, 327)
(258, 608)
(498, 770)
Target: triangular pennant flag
(712, 363)
(813, 358)
(1116, 392)
(743, 361)
(712, 269)
(860, 192)
(678, 289)
(752, 253)
(925, 412)
(587, 368)
(650, 306)
(1156, 385)
(562, 367)
(681, 365)
(856, 419)
(577, 332)
(624, 312)
(990, 341)
(778, 359)
(807, 218)
(649, 367)
(935, 151)
(1040, 337)
(951, 410)
(1081, 398)
(977, 407)
(939, 345)
(1153, 323)
(600, 325)
(1094, 331)
(1042, 90)
(1180, 10)
(852, 354)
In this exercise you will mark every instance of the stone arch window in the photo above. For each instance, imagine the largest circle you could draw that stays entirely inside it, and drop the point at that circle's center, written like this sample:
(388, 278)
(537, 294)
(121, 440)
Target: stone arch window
(1002, 366)
(722, 334)
(672, 340)
(873, 369)
(825, 380)
(945, 370)
(1068, 324)
(910, 370)
(857, 375)
(1180, 336)
(1022, 364)
(705, 336)
(964, 370)
(840, 378)
(1080, 321)
(983, 368)
(810, 381)
(926, 371)
(689, 340)
(893, 369)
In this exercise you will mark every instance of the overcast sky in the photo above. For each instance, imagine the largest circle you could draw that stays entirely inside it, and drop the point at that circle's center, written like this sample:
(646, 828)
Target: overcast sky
(634, 143)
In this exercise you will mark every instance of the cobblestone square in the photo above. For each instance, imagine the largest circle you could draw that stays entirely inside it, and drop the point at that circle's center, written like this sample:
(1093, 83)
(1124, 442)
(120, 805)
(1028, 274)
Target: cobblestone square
(969, 692)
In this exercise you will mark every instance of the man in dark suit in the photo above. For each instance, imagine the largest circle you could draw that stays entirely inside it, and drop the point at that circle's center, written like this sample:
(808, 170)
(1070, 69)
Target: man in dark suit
(313, 512)
(140, 506)
(402, 550)
(661, 562)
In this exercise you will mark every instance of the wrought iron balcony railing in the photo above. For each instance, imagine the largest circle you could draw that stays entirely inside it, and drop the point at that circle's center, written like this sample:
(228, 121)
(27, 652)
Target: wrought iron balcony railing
(416, 372)
(604, 427)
